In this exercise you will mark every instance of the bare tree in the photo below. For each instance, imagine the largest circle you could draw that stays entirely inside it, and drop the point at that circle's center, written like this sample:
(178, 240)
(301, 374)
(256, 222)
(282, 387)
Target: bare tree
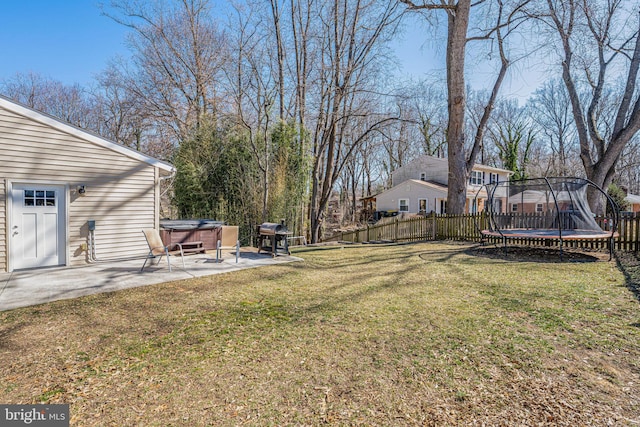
(70, 103)
(276, 12)
(599, 47)
(628, 168)
(550, 108)
(514, 136)
(254, 90)
(301, 29)
(122, 115)
(178, 53)
(506, 19)
(352, 31)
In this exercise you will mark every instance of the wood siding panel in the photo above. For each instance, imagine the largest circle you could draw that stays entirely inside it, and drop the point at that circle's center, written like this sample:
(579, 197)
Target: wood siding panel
(120, 191)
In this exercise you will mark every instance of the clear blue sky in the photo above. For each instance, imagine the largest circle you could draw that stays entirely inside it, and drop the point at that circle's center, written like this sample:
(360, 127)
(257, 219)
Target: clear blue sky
(67, 40)
(70, 41)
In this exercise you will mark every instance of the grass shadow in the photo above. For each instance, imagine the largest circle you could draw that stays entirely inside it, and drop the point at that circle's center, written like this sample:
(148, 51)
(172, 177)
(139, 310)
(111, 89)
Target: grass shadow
(629, 264)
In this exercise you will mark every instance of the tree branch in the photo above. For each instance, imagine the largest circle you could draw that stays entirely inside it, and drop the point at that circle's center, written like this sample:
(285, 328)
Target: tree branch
(428, 6)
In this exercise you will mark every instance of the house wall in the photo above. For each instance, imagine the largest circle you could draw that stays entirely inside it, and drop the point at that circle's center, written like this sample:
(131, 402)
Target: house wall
(530, 208)
(121, 192)
(436, 170)
(390, 199)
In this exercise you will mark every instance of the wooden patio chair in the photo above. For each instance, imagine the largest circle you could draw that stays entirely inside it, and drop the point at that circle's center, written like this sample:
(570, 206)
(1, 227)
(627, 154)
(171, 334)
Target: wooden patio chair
(158, 249)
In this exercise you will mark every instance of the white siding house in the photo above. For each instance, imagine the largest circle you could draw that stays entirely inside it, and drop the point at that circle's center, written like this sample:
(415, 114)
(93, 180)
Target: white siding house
(420, 186)
(56, 178)
(435, 169)
(412, 196)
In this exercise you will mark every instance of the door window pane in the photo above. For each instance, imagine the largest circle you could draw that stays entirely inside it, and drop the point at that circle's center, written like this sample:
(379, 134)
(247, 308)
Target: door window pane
(39, 198)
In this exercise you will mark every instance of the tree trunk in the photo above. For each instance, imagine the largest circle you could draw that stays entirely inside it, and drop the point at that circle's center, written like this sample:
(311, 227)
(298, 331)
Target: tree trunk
(275, 9)
(456, 44)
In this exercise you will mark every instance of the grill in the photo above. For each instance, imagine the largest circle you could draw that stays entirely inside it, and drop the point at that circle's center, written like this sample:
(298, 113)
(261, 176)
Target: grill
(273, 236)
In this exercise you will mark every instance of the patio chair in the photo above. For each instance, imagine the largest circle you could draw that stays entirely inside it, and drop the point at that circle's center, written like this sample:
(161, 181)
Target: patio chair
(158, 248)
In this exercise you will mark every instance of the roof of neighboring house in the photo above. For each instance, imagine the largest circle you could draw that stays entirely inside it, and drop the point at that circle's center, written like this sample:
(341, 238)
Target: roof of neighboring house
(492, 169)
(445, 162)
(88, 136)
(633, 199)
(432, 185)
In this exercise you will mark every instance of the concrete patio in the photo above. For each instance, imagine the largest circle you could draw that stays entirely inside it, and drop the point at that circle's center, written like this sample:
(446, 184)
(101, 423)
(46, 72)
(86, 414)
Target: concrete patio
(32, 287)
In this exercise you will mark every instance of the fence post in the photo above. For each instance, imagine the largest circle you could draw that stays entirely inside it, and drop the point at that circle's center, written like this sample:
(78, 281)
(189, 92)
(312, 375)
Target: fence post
(434, 231)
(395, 231)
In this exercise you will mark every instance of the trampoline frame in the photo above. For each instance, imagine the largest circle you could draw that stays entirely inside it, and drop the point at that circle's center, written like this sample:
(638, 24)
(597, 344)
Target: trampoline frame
(558, 233)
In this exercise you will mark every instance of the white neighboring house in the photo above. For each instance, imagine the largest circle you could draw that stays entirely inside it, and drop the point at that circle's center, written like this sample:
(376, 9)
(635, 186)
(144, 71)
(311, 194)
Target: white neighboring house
(420, 186)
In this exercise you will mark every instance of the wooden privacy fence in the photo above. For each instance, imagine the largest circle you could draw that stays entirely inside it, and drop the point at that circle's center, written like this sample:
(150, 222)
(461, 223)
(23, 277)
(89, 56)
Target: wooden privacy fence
(465, 227)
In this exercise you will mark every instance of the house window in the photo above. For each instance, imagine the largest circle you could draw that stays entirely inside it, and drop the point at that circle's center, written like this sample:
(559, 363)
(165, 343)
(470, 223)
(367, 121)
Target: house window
(443, 206)
(403, 205)
(476, 178)
(539, 207)
(514, 207)
(423, 176)
(493, 178)
(39, 198)
(422, 205)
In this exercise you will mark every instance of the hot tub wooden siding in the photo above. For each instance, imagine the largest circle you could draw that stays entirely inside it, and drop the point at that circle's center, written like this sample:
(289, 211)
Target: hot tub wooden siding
(208, 236)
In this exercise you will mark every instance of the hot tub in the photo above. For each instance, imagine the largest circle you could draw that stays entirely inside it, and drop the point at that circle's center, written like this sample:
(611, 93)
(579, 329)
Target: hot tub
(206, 231)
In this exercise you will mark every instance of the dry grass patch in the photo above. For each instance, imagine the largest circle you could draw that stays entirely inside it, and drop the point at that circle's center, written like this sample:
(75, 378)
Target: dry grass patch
(421, 334)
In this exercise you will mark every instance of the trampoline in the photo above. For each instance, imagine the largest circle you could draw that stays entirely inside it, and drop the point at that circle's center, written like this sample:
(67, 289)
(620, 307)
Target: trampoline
(546, 208)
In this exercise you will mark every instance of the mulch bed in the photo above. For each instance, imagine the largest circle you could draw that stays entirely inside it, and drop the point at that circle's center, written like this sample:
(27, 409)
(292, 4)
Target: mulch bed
(538, 254)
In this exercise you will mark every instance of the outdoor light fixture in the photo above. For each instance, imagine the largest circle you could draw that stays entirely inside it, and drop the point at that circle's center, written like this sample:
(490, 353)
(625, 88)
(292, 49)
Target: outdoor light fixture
(81, 190)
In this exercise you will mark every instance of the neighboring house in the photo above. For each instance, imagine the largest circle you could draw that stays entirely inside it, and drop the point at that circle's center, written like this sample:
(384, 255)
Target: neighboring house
(535, 201)
(421, 187)
(634, 202)
(55, 179)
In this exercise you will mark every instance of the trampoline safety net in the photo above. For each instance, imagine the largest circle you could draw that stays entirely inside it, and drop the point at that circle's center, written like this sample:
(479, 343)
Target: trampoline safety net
(552, 208)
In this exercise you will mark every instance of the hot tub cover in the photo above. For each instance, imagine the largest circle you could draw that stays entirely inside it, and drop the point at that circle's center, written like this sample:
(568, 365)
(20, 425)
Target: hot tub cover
(190, 224)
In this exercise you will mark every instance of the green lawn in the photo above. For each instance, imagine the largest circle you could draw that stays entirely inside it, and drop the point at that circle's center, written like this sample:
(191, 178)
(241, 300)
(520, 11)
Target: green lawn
(419, 334)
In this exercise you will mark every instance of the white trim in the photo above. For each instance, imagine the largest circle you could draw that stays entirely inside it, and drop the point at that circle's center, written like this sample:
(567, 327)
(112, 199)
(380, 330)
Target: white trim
(400, 205)
(82, 134)
(5, 267)
(8, 197)
(476, 177)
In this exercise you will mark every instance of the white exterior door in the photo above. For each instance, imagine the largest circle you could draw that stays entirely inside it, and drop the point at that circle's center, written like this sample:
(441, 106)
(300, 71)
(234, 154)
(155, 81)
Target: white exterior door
(37, 226)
